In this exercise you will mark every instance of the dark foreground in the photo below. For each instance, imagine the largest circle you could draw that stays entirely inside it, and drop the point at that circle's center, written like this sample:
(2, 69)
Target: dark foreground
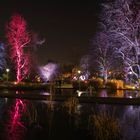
(125, 99)
(36, 115)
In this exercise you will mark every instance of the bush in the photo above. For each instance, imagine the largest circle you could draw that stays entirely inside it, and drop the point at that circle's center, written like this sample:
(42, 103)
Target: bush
(104, 126)
(116, 84)
(111, 86)
(79, 85)
(71, 105)
(96, 83)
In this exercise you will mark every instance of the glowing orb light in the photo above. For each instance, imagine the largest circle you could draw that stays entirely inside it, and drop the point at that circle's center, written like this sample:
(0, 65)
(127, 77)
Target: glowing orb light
(48, 72)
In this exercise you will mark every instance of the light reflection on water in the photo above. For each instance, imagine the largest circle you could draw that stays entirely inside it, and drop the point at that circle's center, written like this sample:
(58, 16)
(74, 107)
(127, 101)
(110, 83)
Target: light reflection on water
(117, 93)
(103, 93)
(131, 123)
(35, 119)
(70, 92)
(15, 128)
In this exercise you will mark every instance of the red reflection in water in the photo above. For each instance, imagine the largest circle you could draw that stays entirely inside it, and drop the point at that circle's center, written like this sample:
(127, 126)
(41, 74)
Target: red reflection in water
(15, 128)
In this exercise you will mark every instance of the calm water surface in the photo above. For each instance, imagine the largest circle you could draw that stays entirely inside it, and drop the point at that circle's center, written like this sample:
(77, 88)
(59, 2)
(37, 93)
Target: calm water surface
(45, 120)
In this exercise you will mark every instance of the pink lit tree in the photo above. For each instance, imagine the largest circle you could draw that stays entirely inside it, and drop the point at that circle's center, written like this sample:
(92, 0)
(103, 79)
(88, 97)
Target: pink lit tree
(19, 38)
(15, 128)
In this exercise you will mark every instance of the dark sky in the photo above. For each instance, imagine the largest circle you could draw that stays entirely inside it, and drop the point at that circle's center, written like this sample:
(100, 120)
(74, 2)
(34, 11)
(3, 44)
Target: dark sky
(67, 26)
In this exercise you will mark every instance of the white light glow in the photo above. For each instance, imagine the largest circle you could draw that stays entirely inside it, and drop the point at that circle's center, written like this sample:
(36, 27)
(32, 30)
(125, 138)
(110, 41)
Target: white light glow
(48, 71)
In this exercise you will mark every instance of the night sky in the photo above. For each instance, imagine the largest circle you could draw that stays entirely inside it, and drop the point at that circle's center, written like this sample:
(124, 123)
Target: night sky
(68, 27)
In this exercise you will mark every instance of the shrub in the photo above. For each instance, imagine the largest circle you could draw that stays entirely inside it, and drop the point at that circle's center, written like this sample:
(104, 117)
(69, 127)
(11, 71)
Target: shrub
(104, 126)
(96, 83)
(71, 105)
(79, 85)
(111, 86)
(116, 84)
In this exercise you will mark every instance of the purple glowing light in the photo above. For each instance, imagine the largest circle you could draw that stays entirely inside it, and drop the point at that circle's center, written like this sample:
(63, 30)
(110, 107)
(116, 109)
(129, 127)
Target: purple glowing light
(2, 56)
(49, 71)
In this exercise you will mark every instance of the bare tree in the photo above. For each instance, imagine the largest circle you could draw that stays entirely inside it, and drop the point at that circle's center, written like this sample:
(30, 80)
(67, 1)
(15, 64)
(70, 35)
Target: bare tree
(121, 19)
(104, 56)
(19, 38)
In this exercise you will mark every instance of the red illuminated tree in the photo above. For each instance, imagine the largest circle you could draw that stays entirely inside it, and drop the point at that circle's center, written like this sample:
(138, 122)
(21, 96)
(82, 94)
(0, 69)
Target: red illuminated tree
(18, 38)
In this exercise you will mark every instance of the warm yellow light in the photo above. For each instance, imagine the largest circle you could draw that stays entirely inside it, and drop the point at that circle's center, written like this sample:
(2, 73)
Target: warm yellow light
(79, 71)
(7, 70)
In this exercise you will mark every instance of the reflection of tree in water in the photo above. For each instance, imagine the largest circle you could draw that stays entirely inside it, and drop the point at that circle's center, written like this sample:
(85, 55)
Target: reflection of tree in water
(104, 126)
(128, 118)
(34, 126)
(71, 108)
(105, 93)
(71, 105)
(29, 120)
(131, 123)
(2, 106)
(131, 94)
(40, 116)
(15, 128)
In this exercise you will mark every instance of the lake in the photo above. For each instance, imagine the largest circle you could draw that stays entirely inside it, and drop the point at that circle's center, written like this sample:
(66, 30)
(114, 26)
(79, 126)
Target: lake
(26, 119)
